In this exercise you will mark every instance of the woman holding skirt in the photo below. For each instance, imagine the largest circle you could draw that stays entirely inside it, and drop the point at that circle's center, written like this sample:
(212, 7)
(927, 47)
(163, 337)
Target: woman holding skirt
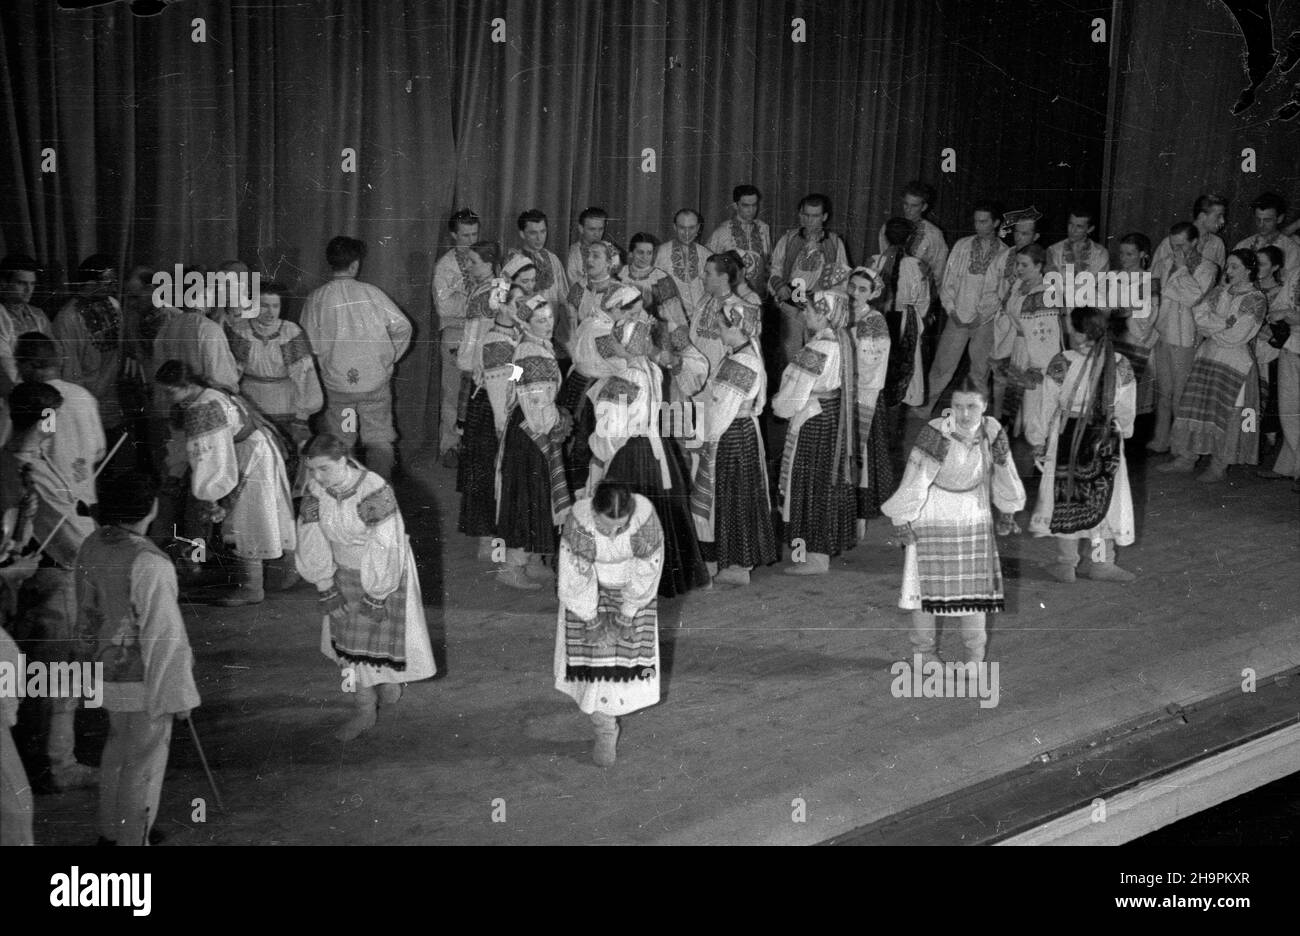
(942, 513)
(1090, 377)
(353, 548)
(607, 636)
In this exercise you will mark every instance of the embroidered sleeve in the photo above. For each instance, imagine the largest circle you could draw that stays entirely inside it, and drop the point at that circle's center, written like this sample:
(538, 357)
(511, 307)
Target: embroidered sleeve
(932, 443)
(497, 354)
(872, 327)
(575, 295)
(537, 369)
(202, 418)
(647, 539)
(1001, 447)
(664, 290)
(810, 360)
(377, 507)
(239, 345)
(607, 346)
(309, 511)
(295, 349)
(618, 389)
(579, 540)
(1060, 366)
(735, 374)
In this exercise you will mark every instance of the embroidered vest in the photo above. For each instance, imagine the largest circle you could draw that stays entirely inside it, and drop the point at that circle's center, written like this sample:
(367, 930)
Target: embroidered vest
(107, 624)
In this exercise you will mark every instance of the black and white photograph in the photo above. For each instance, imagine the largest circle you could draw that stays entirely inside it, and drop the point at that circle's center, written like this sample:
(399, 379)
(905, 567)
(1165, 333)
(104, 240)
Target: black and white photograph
(652, 422)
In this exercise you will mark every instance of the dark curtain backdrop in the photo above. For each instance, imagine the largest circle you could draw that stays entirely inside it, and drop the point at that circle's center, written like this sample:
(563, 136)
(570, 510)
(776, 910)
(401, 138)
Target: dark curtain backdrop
(171, 150)
(1174, 135)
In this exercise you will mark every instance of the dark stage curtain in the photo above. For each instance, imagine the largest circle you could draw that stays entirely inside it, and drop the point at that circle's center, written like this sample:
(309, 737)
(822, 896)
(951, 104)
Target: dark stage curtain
(1174, 134)
(171, 150)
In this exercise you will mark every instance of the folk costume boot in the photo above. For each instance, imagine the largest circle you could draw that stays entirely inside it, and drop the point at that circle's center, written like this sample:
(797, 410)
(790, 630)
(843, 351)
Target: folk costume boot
(1107, 570)
(389, 693)
(364, 717)
(603, 752)
(1067, 560)
(1182, 464)
(1217, 471)
(249, 591)
(537, 569)
(813, 564)
(732, 575)
(289, 576)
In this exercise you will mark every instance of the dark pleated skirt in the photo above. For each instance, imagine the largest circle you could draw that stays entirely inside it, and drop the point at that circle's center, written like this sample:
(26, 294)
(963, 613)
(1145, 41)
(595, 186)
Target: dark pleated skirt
(577, 448)
(822, 515)
(635, 466)
(524, 520)
(476, 470)
(882, 474)
(742, 529)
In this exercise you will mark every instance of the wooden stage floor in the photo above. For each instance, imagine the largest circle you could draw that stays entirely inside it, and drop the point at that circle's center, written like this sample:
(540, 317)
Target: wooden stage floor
(774, 694)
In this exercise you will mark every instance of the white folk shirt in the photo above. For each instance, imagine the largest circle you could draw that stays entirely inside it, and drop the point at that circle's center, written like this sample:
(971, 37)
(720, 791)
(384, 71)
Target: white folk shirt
(451, 290)
(357, 332)
(279, 371)
(1089, 256)
(1179, 292)
(201, 343)
(753, 241)
(78, 442)
(971, 280)
(928, 246)
(1288, 245)
(685, 264)
(552, 278)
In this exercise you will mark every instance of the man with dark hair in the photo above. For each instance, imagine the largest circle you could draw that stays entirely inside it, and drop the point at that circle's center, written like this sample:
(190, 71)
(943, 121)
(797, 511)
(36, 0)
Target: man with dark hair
(358, 334)
(194, 335)
(927, 243)
(552, 279)
(89, 329)
(813, 254)
(17, 314)
(1023, 231)
(683, 259)
(747, 236)
(129, 620)
(38, 503)
(1078, 249)
(452, 284)
(78, 444)
(591, 230)
(971, 295)
(1209, 214)
(1270, 212)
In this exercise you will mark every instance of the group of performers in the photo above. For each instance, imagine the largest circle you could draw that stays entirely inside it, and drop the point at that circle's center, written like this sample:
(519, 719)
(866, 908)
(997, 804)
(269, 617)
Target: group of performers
(608, 419)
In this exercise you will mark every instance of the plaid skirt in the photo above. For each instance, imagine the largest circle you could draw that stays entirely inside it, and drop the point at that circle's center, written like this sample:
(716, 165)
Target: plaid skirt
(636, 466)
(476, 469)
(525, 519)
(822, 515)
(1210, 420)
(742, 529)
(882, 475)
(577, 448)
(953, 568)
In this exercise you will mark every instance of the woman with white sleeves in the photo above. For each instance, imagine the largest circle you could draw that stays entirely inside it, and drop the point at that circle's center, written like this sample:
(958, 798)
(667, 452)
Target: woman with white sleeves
(872, 340)
(607, 637)
(236, 469)
(353, 548)
(1084, 491)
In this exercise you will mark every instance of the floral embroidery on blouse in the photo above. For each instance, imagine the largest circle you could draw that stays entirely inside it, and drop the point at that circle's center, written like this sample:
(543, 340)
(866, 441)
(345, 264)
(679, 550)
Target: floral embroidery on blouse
(686, 262)
(981, 255)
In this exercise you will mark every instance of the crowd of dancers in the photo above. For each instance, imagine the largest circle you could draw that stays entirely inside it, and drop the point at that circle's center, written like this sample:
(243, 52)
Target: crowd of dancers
(625, 425)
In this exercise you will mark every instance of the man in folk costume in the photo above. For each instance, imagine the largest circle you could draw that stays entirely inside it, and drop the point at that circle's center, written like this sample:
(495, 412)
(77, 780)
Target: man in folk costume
(971, 295)
(17, 315)
(451, 289)
(1078, 249)
(1209, 214)
(1270, 211)
(39, 502)
(591, 230)
(89, 329)
(928, 244)
(959, 469)
(1022, 227)
(810, 257)
(1084, 491)
(236, 470)
(129, 618)
(683, 259)
(552, 280)
(532, 490)
(819, 468)
(722, 274)
(607, 634)
(730, 495)
(1136, 325)
(1185, 277)
(189, 335)
(358, 334)
(78, 444)
(748, 236)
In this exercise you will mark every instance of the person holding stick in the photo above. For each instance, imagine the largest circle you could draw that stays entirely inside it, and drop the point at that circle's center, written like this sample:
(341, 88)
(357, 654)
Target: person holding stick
(129, 620)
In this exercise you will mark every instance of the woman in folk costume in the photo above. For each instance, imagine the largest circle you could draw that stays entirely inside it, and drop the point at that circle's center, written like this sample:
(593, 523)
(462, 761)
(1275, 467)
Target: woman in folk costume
(532, 491)
(871, 338)
(1134, 327)
(730, 497)
(236, 469)
(1089, 403)
(354, 549)
(819, 467)
(1213, 417)
(601, 261)
(628, 445)
(1280, 339)
(684, 368)
(476, 468)
(607, 637)
(942, 512)
(278, 370)
(1026, 336)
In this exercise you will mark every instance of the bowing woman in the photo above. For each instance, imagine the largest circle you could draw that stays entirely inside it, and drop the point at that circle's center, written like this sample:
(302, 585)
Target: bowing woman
(353, 547)
(942, 513)
(236, 469)
(607, 636)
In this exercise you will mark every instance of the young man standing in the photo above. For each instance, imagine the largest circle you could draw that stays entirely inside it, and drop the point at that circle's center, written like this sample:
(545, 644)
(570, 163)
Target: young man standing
(683, 259)
(1270, 209)
(129, 620)
(747, 236)
(810, 253)
(17, 315)
(552, 280)
(451, 288)
(89, 328)
(358, 334)
(1078, 249)
(1209, 213)
(927, 244)
(591, 230)
(971, 295)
